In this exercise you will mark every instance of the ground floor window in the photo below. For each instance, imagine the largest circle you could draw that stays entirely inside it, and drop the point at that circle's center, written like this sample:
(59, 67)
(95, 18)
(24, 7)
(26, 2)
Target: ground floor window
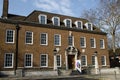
(103, 60)
(8, 60)
(58, 58)
(93, 60)
(84, 60)
(43, 60)
(28, 60)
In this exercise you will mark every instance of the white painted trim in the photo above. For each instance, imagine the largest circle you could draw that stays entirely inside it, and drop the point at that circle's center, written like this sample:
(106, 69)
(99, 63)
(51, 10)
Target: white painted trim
(58, 20)
(60, 60)
(76, 23)
(46, 60)
(13, 36)
(85, 59)
(32, 37)
(5, 60)
(103, 44)
(31, 60)
(59, 40)
(94, 42)
(46, 39)
(84, 42)
(86, 24)
(39, 17)
(104, 61)
(66, 22)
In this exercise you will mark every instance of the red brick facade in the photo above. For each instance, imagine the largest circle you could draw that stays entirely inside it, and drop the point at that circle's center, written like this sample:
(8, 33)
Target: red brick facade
(31, 23)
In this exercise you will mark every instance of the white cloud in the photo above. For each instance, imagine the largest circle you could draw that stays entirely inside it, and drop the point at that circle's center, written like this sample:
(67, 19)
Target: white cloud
(55, 6)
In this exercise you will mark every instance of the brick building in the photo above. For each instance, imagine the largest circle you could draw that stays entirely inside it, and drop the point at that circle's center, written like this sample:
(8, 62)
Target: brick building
(41, 41)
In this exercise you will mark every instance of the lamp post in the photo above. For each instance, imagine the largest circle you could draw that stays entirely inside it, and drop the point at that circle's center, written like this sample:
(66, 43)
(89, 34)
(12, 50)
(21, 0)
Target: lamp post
(55, 59)
(96, 63)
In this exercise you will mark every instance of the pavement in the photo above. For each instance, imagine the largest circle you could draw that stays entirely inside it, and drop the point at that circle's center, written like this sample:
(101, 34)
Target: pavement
(73, 77)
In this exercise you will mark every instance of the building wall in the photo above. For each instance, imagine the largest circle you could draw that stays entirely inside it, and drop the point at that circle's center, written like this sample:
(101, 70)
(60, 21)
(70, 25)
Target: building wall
(36, 49)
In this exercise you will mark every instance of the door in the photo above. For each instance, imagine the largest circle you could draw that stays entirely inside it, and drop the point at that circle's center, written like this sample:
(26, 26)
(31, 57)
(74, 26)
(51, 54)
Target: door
(71, 61)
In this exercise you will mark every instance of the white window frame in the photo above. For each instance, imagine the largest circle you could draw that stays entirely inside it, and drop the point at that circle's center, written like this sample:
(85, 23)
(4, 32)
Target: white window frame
(103, 46)
(72, 40)
(85, 59)
(104, 59)
(76, 23)
(88, 26)
(65, 22)
(60, 59)
(40, 18)
(46, 60)
(59, 40)
(5, 60)
(54, 22)
(94, 42)
(84, 42)
(31, 60)
(13, 35)
(92, 60)
(46, 39)
(26, 37)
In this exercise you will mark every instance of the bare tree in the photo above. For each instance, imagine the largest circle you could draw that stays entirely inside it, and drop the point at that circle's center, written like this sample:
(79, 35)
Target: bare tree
(107, 17)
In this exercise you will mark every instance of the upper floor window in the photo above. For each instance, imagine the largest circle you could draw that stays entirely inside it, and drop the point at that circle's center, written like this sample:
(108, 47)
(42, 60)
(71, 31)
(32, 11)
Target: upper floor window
(89, 26)
(58, 58)
(43, 60)
(71, 41)
(57, 40)
(79, 24)
(103, 60)
(68, 23)
(43, 39)
(93, 43)
(28, 60)
(102, 45)
(10, 36)
(84, 60)
(83, 42)
(56, 21)
(29, 37)
(42, 19)
(8, 60)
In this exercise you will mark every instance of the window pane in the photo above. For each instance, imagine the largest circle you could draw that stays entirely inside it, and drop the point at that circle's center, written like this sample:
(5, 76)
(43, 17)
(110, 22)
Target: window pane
(89, 26)
(68, 23)
(29, 37)
(9, 36)
(92, 41)
(43, 39)
(93, 60)
(103, 59)
(101, 43)
(57, 40)
(28, 60)
(82, 42)
(79, 25)
(43, 60)
(83, 60)
(58, 61)
(8, 60)
(42, 19)
(56, 21)
(70, 40)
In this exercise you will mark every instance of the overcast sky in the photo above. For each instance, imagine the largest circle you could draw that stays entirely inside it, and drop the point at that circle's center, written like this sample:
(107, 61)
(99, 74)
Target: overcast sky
(65, 7)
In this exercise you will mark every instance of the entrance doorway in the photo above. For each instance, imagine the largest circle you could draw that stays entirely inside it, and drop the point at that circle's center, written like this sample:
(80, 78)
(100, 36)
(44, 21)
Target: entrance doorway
(71, 61)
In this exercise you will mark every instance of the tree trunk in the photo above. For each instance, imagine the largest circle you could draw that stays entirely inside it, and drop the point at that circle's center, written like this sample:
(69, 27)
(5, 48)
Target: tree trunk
(113, 42)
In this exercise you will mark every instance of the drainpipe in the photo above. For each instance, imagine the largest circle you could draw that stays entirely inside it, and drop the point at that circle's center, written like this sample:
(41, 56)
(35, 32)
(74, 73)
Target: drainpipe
(16, 51)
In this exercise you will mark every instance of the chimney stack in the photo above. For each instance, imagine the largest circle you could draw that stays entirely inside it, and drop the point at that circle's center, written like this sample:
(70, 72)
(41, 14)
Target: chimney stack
(5, 9)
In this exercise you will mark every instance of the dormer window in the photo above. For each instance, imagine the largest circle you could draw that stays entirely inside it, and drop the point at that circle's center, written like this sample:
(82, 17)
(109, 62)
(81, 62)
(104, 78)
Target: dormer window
(68, 23)
(79, 24)
(56, 21)
(42, 19)
(89, 26)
